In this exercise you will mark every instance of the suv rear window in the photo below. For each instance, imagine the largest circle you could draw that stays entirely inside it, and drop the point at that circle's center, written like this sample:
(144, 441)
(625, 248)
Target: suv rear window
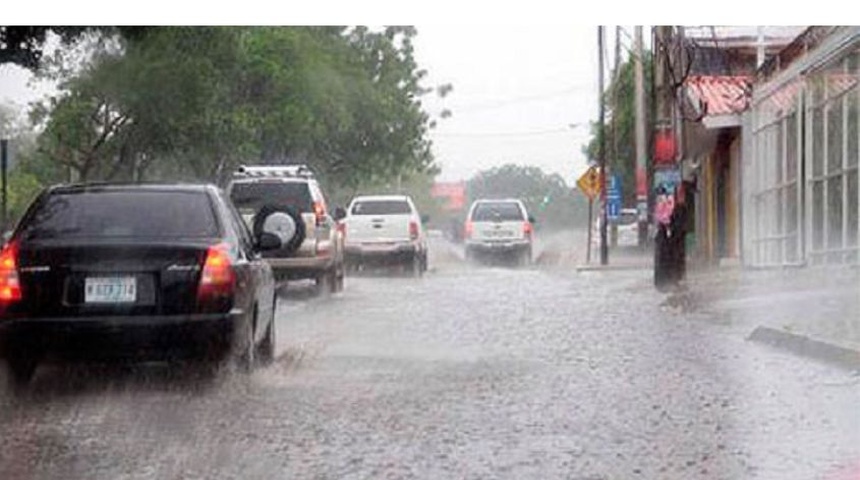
(255, 195)
(120, 214)
(497, 211)
(381, 207)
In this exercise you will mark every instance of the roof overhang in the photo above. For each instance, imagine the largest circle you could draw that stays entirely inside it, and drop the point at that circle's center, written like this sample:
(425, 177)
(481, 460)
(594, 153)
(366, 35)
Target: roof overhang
(718, 100)
(722, 121)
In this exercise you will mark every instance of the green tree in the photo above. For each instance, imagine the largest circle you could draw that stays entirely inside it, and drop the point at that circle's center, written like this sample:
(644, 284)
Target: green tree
(193, 103)
(620, 104)
(547, 197)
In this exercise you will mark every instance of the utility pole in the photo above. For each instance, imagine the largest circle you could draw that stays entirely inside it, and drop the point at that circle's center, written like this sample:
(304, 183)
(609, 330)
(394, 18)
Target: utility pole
(641, 151)
(680, 126)
(616, 162)
(4, 163)
(604, 248)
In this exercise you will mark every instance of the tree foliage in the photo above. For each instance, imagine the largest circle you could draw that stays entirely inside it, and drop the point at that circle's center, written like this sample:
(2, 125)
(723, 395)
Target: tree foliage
(195, 102)
(547, 197)
(620, 104)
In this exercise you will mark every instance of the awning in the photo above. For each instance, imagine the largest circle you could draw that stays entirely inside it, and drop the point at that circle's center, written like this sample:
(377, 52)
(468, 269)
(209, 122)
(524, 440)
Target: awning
(719, 99)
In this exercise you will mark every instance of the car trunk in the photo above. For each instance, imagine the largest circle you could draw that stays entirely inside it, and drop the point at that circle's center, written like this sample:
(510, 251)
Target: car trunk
(498, 231)
(110, 277)
(378, 229)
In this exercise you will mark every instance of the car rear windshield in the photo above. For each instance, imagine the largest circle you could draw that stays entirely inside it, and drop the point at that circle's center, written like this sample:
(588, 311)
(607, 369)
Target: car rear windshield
(123, 214)
(381, 207)
(497, 211)
(255, 195)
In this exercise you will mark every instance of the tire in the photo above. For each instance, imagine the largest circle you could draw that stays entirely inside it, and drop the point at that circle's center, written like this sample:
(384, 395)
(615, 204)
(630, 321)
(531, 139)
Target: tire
(526, 258)
(298, 238)
(22, 368)
(248, 355)
(416, 268)
(340, 274)
(335, 280)
(266, 349)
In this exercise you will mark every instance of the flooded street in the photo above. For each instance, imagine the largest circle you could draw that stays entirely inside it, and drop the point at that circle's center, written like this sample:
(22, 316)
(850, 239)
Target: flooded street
(469, 372)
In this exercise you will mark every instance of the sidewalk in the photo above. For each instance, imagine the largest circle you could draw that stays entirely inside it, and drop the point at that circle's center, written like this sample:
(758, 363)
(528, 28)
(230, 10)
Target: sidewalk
(812, 311)
(620, 259)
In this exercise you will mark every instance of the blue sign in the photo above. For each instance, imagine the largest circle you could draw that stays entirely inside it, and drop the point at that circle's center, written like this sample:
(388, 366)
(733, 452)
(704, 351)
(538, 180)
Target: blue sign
(667, 179)
(613, 197)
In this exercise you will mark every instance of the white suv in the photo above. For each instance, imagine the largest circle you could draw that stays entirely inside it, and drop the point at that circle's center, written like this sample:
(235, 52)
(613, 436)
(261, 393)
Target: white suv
(385, 229)
(499, 228)
(314, 249)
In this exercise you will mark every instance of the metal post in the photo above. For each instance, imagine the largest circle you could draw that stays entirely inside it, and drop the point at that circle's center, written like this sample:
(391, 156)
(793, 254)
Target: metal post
(590, 219)
(4, 159)
(604, 248)
(641, 198)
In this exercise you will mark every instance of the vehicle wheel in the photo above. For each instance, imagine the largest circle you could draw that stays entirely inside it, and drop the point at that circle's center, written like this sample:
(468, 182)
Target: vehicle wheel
(335, 280)
(526, 258)
(248, 355)
(417, 266)
(22, 368)
(324, 282)
(299, 234)
(340, 274)
(266, 349)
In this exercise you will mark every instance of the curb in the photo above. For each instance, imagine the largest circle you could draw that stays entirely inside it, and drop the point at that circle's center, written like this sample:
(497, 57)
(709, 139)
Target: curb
(804, 346)
(597, 268)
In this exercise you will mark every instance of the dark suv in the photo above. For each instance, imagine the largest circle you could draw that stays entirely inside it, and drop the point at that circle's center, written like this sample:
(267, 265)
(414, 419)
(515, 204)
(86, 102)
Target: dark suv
(134, 272)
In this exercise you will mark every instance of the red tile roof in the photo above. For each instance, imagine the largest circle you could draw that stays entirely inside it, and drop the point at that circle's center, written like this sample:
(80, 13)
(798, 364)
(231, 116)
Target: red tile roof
(720, 94)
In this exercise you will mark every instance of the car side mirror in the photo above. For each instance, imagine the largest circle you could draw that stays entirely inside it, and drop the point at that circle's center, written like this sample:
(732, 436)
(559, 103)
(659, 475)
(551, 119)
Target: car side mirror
(339, 214)
(532, 219)
(425, 218)
(269, 241)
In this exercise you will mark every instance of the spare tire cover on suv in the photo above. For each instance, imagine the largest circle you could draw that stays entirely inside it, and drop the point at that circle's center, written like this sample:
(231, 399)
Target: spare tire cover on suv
(292, 244)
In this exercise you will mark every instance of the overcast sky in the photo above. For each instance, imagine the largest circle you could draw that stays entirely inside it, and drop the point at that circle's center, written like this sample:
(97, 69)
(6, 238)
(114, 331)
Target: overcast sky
(522, 94)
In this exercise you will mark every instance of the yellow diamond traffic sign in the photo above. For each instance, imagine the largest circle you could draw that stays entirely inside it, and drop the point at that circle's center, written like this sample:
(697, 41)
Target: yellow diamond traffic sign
(589, 183)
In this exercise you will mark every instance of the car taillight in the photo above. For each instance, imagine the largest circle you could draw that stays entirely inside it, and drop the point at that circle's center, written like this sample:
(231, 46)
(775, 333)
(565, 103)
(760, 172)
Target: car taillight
(218, 279)
(10, 284)
(468, 229)
(413, 230)
(319, 212)
(527, 230)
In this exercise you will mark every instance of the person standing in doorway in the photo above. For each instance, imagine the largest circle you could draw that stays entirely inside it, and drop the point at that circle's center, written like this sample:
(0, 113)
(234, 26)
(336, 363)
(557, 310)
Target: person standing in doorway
(678, 236)
(663, 258)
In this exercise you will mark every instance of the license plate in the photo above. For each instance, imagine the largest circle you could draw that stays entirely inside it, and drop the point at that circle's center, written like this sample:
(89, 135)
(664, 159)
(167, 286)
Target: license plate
(110, 290)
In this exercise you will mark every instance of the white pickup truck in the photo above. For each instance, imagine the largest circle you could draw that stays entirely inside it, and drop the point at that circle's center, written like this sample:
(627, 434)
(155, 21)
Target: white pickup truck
(385, 230)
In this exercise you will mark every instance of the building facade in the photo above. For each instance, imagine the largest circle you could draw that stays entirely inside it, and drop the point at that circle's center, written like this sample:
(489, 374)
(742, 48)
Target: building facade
(800, 175)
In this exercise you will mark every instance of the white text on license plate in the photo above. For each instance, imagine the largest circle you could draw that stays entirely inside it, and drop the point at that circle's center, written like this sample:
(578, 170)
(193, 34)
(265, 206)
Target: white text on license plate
(110, 290)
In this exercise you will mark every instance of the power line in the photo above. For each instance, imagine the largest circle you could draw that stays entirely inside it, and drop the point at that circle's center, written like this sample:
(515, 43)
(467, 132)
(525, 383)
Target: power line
(506, 134)
(518, 100)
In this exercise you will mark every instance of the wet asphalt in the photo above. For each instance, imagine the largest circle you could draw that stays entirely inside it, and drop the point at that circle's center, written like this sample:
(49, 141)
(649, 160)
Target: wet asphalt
(469, 372)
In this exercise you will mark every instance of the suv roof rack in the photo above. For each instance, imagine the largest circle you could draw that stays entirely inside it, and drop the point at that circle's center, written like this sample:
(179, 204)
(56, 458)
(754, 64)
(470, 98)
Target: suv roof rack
(258, 171)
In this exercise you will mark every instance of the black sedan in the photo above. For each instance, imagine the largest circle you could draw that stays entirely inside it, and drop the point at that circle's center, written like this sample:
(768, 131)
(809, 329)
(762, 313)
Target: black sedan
(155, 272)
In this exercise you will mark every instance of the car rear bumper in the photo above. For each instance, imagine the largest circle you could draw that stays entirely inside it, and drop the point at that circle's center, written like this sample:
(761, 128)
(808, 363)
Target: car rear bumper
(123, 337)
(393, 252)
(301, 267)
(498, 246)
